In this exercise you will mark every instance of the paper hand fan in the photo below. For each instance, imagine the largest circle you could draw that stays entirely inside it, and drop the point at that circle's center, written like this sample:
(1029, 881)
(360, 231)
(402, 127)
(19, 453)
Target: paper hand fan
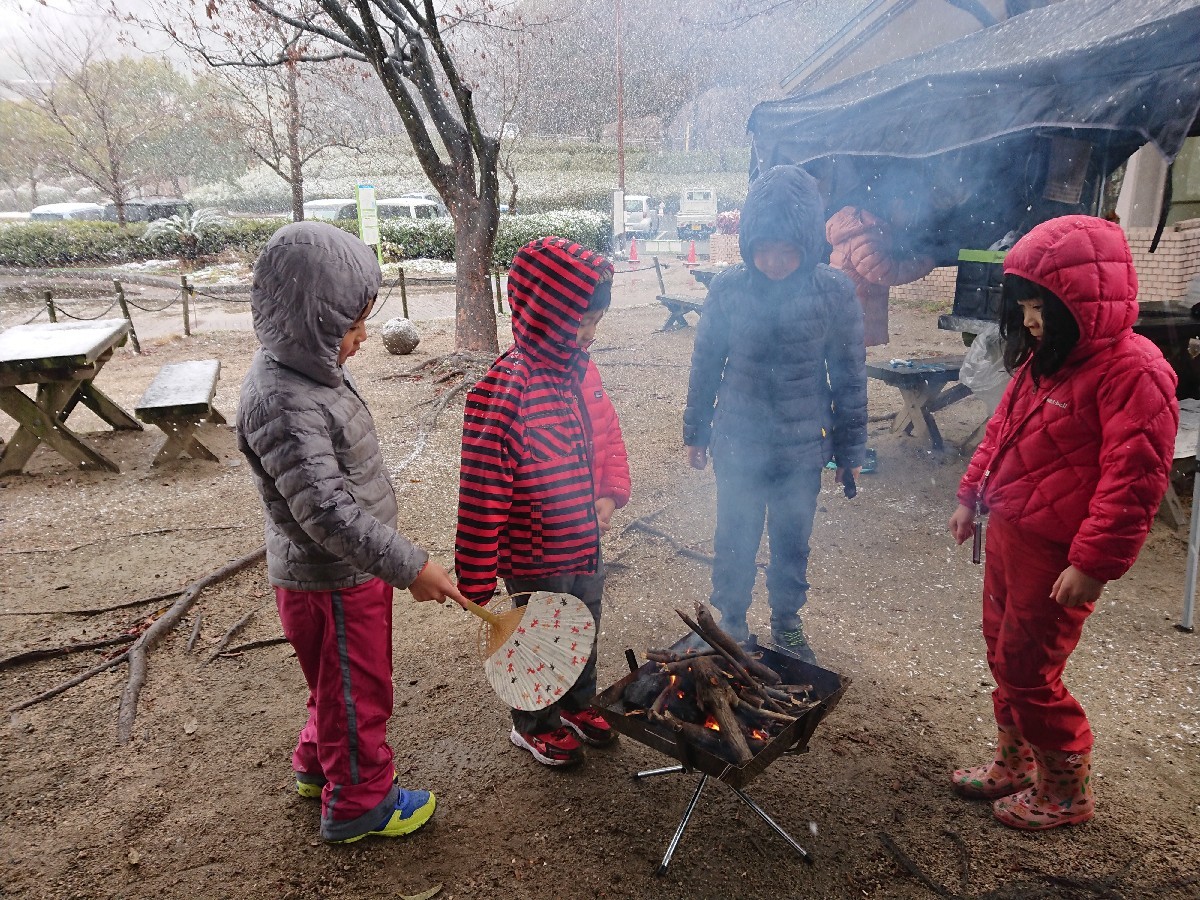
(534, 654)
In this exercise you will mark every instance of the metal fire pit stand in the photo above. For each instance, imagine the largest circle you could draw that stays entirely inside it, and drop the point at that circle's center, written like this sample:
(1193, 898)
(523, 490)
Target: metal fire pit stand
(692, 759)
(691, 808)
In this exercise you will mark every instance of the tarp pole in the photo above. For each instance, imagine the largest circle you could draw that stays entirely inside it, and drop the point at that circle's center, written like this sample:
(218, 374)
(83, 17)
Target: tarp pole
(1193, 558)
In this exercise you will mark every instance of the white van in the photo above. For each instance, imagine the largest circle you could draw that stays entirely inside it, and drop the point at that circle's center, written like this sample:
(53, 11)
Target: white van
(411, 208)
(641, 216)
(56, 212)
(330, 210)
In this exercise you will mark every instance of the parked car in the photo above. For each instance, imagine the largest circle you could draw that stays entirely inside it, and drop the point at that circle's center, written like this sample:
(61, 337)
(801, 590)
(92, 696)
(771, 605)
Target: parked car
(510, 131)
(411, 207)
(641, 216)
(149, 209)
(697, 215)
(431, 197)
(54, 212)
(329, 210)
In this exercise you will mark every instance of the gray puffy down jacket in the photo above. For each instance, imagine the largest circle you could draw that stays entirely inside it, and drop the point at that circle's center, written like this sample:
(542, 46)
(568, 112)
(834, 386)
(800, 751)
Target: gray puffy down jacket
(308, 436)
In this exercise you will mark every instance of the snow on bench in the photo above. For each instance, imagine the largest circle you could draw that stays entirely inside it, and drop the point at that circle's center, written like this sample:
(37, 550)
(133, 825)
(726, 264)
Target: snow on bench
(178, 401)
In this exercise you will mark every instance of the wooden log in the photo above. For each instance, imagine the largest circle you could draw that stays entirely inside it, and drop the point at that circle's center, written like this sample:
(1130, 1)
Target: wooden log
(156, 632)
(705, 620)
(717, 697)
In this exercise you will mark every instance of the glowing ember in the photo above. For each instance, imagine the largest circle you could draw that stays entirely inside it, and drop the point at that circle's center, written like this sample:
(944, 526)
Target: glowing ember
(710, 722)
(759, 734)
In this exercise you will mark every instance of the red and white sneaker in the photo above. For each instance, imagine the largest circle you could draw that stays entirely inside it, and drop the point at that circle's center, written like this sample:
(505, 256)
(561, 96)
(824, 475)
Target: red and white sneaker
(551, 748)
(589, 725)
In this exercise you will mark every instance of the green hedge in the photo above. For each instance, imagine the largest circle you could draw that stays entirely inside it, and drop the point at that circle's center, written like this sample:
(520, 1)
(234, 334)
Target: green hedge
(52, 244)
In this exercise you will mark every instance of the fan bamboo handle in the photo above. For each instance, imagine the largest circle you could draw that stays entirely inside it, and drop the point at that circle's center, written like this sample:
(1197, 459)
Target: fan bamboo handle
(487, 615)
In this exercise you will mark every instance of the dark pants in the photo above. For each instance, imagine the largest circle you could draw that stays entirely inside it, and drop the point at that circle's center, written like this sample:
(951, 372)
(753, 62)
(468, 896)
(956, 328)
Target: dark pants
(748, 494)
(589, 589)
(343, 641)
(1029, 638)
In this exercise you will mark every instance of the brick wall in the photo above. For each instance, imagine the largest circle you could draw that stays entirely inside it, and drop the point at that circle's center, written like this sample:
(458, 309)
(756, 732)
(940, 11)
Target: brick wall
(723, 250)
(1162, 275)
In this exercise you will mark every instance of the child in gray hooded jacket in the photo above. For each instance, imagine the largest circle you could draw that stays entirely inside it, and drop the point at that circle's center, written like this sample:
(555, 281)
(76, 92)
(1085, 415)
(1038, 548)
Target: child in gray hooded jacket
(333, 552)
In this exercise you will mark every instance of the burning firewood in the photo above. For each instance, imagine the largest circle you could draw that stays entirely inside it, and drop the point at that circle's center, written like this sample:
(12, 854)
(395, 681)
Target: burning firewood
(716, 699)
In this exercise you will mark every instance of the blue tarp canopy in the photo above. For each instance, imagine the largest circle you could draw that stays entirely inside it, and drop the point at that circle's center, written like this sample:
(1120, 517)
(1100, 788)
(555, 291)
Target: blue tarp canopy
(1002, 128)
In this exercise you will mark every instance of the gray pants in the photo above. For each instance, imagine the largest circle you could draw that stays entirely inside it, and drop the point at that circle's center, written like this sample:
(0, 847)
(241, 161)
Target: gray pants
(589, 589)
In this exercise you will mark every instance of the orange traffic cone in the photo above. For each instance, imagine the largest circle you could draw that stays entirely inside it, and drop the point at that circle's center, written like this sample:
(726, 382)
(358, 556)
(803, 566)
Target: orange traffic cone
(633, 251)
(691, 260)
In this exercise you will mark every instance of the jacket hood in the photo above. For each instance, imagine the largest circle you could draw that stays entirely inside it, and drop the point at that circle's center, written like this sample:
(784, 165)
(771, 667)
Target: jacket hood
(550, 283)
(311, 282)
(784, 204)
(1086, 262)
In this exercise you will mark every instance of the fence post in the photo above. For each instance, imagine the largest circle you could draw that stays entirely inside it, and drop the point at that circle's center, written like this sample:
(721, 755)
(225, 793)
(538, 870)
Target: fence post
(658, 271)
(50, 306)
(499, 296)
(137, 347)
(185, 291)
(403, 293)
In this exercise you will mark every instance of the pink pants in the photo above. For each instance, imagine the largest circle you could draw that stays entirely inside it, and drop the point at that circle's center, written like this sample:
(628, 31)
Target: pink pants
(343, 640)
(1029, 637)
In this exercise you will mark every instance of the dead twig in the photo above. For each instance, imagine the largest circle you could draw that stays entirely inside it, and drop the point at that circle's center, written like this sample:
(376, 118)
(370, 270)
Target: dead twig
(127, 604)
(430, 418)
(254, 645)
(119, 537)
(66, 649)
(71, 682)
(675, 543)
(156, 632)
(195, 632)
(231, 634)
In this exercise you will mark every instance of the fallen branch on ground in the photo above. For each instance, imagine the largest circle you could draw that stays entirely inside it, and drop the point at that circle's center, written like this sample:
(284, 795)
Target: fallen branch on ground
(231, 634)
(254, 645)
(128, 604)
(156, 632)
(66, 649)
(71, 682)
(678, 546)
(195, 632)
(118, 537)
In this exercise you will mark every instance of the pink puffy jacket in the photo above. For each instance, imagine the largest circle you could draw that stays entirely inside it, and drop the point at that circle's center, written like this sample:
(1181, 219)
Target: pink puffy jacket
(1083, 459)
(610, 462)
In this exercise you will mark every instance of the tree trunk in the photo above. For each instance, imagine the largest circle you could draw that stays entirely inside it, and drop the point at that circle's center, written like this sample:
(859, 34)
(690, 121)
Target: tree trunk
(475, 317)
(33, 185)
(295, 163)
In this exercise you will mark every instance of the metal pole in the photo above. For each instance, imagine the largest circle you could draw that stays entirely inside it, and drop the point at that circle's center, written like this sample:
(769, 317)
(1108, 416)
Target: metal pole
(775, 827)
(1193, 558)
(50, 306)
(185, 290)
(620, 106)
(403, 293)
(683, 823)
(137, 348)
(499, 300)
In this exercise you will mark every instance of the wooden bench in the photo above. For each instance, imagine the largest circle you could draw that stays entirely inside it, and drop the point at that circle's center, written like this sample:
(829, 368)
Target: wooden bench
(677, 307)
(921, 383)
(178, 401)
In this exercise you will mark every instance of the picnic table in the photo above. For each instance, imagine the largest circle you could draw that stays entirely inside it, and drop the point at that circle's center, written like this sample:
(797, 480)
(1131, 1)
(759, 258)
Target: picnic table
(62, 359)
(922, 385)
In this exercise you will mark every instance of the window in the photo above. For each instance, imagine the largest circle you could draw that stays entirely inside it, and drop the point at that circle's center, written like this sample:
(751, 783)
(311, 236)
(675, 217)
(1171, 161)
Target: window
(426, 212)
(1185, 183)
(634, 206)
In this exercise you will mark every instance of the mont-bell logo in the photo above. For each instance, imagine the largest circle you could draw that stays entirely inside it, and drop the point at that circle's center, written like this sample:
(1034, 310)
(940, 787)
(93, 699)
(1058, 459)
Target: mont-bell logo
(599, 395)
(1057, 403)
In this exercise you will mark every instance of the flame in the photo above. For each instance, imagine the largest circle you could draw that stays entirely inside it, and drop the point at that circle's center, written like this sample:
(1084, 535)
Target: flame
(759, 734)
(710, 722)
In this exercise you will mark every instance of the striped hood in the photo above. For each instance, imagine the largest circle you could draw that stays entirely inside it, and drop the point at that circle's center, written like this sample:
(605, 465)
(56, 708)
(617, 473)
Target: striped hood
(550, 283)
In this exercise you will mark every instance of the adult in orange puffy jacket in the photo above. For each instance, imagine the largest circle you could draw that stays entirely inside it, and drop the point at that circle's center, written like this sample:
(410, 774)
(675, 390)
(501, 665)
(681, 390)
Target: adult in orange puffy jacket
(1072, 469)
(863, 248)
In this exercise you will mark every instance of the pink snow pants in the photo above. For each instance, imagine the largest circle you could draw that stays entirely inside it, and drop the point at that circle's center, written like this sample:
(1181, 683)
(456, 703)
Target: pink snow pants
(1029, 637)
(343, 640)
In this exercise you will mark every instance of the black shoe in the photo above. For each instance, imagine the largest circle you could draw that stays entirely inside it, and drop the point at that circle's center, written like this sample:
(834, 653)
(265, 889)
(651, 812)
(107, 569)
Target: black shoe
(788, 635)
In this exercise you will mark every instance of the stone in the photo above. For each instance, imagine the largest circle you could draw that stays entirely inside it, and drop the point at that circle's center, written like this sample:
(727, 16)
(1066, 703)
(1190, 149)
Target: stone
(400, 336)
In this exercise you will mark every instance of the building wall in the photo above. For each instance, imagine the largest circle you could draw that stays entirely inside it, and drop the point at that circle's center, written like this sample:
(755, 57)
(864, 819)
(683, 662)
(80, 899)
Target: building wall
(1162, 275)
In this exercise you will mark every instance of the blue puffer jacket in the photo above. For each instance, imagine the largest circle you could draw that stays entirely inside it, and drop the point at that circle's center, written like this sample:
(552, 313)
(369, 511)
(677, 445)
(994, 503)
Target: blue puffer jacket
(779, 367)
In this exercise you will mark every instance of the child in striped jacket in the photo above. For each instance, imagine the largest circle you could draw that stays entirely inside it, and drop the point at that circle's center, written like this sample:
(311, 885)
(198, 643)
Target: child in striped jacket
(543, 468)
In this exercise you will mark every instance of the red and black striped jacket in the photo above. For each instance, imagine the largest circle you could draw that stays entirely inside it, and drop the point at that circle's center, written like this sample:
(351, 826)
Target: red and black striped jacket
(526, 502)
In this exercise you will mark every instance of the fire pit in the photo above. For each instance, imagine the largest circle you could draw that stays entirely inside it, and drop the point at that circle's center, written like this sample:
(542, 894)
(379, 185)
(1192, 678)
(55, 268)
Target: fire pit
(695, 752)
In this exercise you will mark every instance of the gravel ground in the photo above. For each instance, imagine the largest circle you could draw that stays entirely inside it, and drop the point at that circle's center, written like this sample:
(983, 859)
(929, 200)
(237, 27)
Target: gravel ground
(200, 803)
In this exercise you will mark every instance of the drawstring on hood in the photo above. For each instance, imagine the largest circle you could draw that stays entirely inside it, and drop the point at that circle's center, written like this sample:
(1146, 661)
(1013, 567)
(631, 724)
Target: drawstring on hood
(1085, 261)
(784, 204)
(550, 284)
(311, 282)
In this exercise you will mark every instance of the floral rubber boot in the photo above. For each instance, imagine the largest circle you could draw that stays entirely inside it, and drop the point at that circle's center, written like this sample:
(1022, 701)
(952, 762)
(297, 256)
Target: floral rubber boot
(1012, 770)
(1062, 795)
